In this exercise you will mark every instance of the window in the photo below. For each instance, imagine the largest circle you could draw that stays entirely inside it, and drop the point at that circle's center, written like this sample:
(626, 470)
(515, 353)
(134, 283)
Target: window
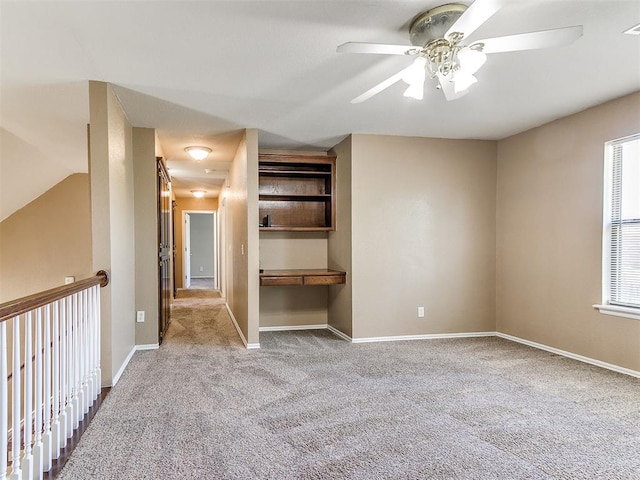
(621, 237)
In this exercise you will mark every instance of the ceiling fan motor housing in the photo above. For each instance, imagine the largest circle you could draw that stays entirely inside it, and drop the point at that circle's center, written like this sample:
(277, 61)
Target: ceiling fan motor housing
(434, 24)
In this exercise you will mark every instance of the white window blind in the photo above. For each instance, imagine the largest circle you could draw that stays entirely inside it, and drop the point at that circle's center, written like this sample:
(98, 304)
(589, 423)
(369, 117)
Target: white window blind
(624, 225)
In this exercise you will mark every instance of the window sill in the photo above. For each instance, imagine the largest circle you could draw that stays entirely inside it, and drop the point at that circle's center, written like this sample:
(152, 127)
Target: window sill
(627, 312)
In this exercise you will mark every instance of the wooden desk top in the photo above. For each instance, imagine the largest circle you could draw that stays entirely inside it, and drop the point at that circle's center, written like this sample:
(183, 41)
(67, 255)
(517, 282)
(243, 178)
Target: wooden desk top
(300, 272)
(316, 276)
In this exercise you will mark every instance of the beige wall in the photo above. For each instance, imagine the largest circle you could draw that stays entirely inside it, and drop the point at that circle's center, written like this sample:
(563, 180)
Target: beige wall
(339, 245)
(47, 240)
(242, 237)
(293, 306)
(187, 204)
(423, 232)
(549, 207)
(112, 212)
(146, 232)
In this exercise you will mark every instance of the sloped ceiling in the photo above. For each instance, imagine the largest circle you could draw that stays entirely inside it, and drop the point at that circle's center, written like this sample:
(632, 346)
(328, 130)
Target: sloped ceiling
(201, 71)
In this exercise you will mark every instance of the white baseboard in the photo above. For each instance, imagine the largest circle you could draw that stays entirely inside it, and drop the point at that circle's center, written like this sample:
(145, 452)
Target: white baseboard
(428, 336)
(284, 328)
(396, 338)
(574, 356)
(122, 368)
(242, 337)
(338, 333)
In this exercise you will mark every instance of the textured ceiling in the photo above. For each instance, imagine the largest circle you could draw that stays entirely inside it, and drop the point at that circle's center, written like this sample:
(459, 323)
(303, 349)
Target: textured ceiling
(201, 71)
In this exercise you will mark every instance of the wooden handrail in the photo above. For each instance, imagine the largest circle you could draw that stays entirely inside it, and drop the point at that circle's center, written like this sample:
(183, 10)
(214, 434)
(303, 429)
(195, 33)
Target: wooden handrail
(22, 305)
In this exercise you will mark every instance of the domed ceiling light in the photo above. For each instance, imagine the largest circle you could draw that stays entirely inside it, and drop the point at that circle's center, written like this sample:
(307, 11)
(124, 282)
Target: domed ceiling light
(198, 153)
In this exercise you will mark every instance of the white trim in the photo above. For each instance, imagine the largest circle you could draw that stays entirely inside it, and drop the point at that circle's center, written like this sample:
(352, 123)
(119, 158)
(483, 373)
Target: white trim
(395, 338)
(117, 376)
(136, 348)
(574, 356)
(338, 333)
(429, 336)
(284, 328)
(244, 340)
(619, 311)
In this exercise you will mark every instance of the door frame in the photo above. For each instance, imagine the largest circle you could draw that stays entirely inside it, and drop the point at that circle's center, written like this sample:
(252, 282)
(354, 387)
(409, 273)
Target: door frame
(216, 239)
(186, 249)
(164, 221)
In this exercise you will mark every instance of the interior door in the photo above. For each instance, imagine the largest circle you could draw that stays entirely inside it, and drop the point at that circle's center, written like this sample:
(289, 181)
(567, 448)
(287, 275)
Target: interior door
(164, 250)
(174, 283)
(187, 251)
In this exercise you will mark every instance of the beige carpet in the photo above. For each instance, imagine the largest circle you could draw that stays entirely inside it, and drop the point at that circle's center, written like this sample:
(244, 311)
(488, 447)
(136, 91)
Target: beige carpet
(308, 405)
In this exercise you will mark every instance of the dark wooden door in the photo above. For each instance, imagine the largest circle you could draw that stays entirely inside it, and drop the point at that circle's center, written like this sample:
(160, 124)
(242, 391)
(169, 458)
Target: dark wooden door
(164, 249)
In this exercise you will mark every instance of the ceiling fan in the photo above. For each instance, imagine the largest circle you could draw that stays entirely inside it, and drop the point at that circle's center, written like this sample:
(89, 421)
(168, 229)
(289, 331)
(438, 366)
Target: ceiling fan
(438, 37)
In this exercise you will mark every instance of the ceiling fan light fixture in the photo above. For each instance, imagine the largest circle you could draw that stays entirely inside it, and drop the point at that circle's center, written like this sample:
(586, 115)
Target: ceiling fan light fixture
(439, 39)
(198, 193)
(462, 80)
(198, 153)
(415, 74)
(415, 91)
(471, 59)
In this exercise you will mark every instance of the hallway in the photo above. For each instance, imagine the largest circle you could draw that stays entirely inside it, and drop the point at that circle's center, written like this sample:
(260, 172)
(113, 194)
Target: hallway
(199, 317)
(152, 422)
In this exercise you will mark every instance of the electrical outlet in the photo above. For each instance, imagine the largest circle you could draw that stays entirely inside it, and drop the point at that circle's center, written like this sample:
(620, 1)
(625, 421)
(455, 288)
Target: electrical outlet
(68, 280)
(202, 269)
(420, 312)
(140, 316)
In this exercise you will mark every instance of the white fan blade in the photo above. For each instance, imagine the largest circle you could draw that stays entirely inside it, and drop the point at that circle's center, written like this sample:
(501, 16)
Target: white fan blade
(448, 89)
(474, 16)
(377, 48)
(530, 41)
(381, 86)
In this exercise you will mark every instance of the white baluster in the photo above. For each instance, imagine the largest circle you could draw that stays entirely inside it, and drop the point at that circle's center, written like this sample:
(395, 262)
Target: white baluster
(16, 471)
(77, 398)
(56, 387)
(37, 427)
(4, 402)
(46, 432)
(83, 353)
(27, 459)
(89, 348)
(63, 373)
(69, 368)
(92, 343)
(98, 335)
(94, 333)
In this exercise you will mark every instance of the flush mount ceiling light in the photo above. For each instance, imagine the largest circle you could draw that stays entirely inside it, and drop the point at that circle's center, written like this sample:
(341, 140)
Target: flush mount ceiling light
(198, 153)
(198, 193)
(442, 52)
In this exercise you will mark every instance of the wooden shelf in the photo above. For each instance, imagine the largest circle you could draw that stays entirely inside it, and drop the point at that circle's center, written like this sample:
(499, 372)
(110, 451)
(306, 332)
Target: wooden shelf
(293, 173)
(296, 192)
(310, 277)
(294, 198)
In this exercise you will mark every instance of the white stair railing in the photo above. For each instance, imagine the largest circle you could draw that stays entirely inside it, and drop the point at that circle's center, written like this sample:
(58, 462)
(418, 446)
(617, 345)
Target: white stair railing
(49, 373)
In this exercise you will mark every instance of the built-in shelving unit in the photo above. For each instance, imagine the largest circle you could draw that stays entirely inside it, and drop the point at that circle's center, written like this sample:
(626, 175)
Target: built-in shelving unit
(296, 192)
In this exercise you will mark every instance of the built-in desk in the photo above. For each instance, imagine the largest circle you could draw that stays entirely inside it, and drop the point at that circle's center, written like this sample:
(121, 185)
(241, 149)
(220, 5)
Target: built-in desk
(321, 276)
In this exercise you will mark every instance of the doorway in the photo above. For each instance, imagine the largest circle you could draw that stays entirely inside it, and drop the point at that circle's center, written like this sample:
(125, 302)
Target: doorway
(200, 256)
